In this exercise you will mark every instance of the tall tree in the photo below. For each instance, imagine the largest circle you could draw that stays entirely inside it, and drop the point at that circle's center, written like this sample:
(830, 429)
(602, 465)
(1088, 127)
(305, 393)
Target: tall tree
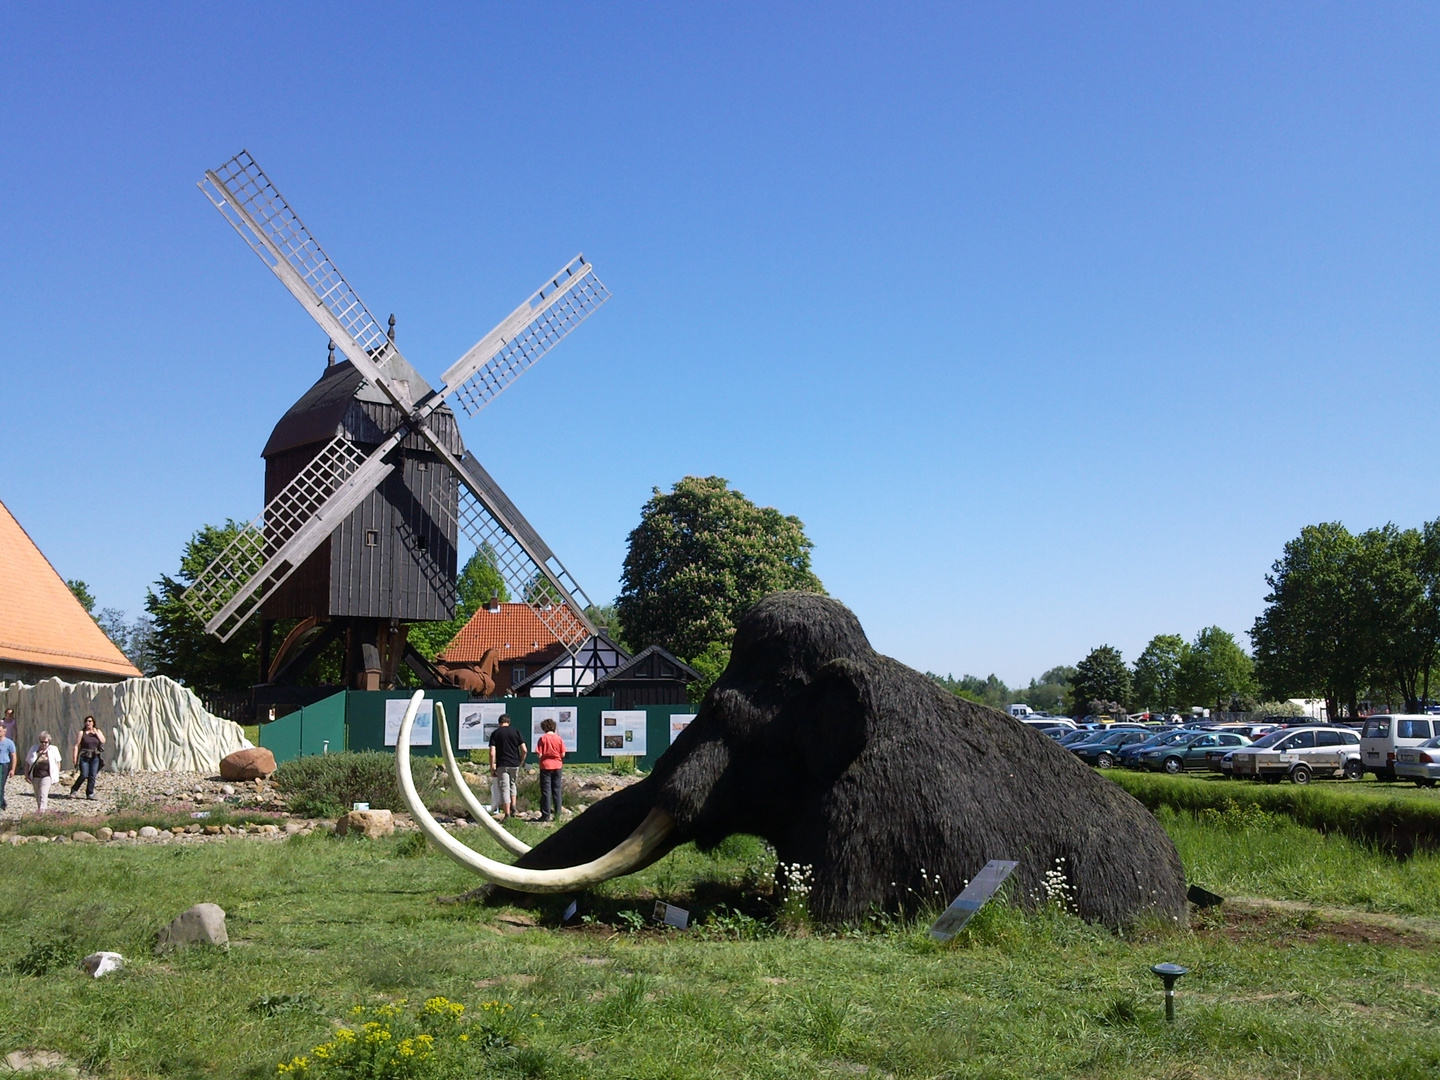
(1157, 673)
(990, 691)
(1310, 641)
(701, 556)
(1214, 671)
(1047, 693)
(1101, 677)
(478, 581)
(81, 592)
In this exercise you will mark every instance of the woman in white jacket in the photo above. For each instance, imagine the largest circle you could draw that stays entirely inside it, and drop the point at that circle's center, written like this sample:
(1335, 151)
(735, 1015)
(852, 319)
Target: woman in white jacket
(42, 766)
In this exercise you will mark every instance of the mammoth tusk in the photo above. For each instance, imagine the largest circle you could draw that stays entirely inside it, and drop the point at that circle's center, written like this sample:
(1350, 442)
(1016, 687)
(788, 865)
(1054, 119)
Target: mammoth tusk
(507, 839)
(638, 849)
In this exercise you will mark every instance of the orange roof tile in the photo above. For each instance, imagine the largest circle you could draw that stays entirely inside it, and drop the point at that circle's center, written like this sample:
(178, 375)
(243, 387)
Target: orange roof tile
(514, 629)
(41, 622)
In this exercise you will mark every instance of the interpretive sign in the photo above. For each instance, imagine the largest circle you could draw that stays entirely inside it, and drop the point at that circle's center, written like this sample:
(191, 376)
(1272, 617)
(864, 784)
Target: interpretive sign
(566, 726)
(477, 724)
(679, 722)
(420, 732)
(981, 888)
(671, 915)
(622, 733)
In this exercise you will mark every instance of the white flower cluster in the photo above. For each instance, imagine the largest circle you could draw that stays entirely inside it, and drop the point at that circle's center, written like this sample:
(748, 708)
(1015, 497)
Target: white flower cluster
(1055, 886)
(794, 879)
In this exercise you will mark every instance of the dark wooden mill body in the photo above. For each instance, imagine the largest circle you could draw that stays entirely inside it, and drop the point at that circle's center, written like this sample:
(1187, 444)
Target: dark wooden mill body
(393, 561)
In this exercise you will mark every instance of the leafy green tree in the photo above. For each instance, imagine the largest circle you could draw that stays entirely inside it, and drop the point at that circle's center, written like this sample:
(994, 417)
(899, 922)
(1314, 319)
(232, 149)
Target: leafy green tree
(1397, 576)
(181, 647)
(1157, 673)
(1100, 679)
(478, 581)
(1047, 693)
(1214, 671)
(701, 556)
(82, 593)
(1311, 639)
(990, 691)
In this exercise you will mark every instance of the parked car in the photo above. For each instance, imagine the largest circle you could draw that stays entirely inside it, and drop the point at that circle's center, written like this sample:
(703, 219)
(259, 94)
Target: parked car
(1129, 756)
(1419, 763)
(1101, 750)
(1188, 752)
(1048, 722)
(1301, 753)
(1385, 733)
(1078, 735)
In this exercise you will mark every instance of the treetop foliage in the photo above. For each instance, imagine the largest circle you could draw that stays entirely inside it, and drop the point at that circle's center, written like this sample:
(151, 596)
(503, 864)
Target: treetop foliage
(701, 556)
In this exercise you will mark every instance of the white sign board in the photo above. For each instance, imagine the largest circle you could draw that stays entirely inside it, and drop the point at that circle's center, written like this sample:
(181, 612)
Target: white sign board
(671, 915)
(477, 724)
(567, 726)
(679, 722)
(622, 733)
(421, 732)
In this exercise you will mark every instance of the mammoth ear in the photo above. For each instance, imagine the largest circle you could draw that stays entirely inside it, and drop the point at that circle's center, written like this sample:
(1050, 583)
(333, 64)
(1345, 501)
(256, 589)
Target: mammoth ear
(830, 718)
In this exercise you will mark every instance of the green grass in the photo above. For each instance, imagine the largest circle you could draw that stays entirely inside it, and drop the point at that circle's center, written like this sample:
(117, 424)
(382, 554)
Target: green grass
(319, 926)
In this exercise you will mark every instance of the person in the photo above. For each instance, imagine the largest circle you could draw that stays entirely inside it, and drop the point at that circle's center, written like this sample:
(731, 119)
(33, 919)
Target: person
(550, 749)
(42, 765)
(507, 752)
(7, 726)
(8, 754)
(85, 756)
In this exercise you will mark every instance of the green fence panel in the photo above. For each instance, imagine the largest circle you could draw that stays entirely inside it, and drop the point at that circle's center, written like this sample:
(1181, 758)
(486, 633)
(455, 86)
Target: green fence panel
(322, 726)
(282, 737)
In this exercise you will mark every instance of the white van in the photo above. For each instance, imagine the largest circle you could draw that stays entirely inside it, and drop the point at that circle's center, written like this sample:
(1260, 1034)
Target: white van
(1020, 712)
(1384, 732)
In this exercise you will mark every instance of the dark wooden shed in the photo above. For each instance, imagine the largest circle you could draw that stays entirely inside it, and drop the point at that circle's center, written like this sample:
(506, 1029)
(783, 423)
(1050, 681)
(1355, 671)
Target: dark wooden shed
(653, 677)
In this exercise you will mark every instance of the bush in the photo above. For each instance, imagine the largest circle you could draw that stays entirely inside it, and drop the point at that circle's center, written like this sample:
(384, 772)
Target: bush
(327, 785)
(1398, 825)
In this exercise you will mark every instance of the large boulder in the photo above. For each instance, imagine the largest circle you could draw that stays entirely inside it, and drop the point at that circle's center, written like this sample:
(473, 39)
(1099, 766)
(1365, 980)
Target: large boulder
(372, 824)
(203, 924)
(255, 763)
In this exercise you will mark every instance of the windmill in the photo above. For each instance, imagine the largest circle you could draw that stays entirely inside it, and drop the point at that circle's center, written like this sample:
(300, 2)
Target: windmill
(391, 447)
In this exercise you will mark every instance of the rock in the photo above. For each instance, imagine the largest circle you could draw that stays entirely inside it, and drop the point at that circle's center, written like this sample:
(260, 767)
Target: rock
(194, 828)
(102, 963)
(105, 832)
(203, 924)
(227, 789)
(35, 1060)
(293, 827)
(252, 764)
(61, 839)
(177, 830)
(269, 830)
(372, 824)
(80, 836)
(149, 832)
(212, 830)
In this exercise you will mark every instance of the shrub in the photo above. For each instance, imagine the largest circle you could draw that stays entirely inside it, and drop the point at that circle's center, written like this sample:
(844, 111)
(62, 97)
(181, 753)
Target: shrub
(327, 785)
(49, 954)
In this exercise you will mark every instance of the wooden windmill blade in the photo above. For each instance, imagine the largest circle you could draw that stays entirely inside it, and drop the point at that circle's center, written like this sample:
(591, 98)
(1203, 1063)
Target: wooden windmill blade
(324, 493)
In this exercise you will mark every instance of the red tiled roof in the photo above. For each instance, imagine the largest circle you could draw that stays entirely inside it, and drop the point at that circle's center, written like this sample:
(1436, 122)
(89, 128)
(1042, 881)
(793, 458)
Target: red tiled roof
(514, 629)
(41, 622)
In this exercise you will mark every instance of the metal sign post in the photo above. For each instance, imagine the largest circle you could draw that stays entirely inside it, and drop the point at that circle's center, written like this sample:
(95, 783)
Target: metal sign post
(982, 887)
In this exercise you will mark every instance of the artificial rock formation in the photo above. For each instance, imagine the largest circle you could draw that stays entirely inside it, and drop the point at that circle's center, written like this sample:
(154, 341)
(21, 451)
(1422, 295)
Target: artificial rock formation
(150, 725)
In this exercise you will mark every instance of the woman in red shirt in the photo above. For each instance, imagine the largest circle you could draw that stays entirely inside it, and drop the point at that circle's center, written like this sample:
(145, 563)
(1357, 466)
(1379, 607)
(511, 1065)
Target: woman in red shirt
(551, 750)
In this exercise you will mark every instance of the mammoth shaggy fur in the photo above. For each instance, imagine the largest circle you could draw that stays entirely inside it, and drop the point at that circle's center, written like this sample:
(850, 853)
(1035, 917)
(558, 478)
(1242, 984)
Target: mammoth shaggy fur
(881, 781)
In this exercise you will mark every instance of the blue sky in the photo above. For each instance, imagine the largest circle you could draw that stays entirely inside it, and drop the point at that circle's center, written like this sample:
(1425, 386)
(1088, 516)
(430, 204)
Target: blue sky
(1052, 322)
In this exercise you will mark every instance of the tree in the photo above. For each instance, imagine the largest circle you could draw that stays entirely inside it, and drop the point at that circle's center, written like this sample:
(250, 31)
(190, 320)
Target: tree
(701, 556)
(1157, 673)
(1214, 670)
(478, 581)
(131, 638)
(1309, 641)
(1101, 677)
(1047, 693)
(181, 647)
(991, 691)
(82, 593)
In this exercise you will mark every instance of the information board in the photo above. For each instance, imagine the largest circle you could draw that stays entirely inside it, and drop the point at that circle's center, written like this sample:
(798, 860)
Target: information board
(679, 722)
(567, 726)
(478, 723)
(421, 732)
(622, 733)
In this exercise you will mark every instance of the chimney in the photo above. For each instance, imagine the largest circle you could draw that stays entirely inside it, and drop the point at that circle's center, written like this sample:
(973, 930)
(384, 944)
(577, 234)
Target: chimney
(494, 604)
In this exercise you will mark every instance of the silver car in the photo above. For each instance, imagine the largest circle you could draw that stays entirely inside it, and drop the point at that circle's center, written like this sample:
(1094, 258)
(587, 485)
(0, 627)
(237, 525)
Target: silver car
(1419, 763)
(1301, 753)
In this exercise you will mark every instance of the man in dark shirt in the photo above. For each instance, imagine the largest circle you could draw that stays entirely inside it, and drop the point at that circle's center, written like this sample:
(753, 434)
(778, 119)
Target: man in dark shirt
(507, 752)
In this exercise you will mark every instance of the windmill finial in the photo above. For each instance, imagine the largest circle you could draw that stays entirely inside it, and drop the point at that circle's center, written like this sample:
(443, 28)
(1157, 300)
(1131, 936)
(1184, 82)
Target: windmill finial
(391, 332)
(331, 361)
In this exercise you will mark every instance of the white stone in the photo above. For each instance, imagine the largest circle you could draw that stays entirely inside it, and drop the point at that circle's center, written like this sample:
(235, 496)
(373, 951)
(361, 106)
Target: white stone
(203, 924)
(102, 963)
(149, 832)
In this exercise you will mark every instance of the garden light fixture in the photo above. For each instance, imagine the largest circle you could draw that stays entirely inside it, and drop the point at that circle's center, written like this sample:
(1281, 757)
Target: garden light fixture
(1169, 973)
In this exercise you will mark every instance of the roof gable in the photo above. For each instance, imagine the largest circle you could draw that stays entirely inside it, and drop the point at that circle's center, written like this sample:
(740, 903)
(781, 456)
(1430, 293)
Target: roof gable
(650, 665)
(514, 629)
(41, 622)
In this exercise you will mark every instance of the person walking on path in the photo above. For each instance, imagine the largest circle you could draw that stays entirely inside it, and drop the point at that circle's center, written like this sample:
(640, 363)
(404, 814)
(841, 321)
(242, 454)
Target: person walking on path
(85, 756)
(8, 754)
(42, 765)
(550, 749)
(507, 753)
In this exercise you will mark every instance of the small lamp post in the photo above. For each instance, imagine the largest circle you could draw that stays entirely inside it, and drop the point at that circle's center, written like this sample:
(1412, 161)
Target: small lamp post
(1169, 973)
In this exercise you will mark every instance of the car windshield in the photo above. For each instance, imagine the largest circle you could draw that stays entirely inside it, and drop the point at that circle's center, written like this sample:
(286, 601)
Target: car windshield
(1075, 737)
(1377, 727)
(1267, 741)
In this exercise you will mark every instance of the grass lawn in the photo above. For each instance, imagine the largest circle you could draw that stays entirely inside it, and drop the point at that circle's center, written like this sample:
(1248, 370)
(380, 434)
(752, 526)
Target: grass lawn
(320, 926)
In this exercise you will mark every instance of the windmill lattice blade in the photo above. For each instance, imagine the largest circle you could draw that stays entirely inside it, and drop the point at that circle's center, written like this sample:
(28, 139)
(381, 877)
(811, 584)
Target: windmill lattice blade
(243, 184)
(292, 525)
(504, 354)
(554, 596)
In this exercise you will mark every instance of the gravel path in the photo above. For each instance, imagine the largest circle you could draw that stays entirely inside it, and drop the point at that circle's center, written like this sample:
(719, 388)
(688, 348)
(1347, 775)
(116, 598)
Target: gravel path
(138, 791)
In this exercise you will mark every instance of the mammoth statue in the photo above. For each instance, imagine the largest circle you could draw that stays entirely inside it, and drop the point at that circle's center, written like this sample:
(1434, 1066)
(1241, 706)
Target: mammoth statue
(478, 677)
(864, 770)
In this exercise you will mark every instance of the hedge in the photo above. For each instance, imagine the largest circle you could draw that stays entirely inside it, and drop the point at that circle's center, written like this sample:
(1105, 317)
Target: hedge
(1394, 823)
